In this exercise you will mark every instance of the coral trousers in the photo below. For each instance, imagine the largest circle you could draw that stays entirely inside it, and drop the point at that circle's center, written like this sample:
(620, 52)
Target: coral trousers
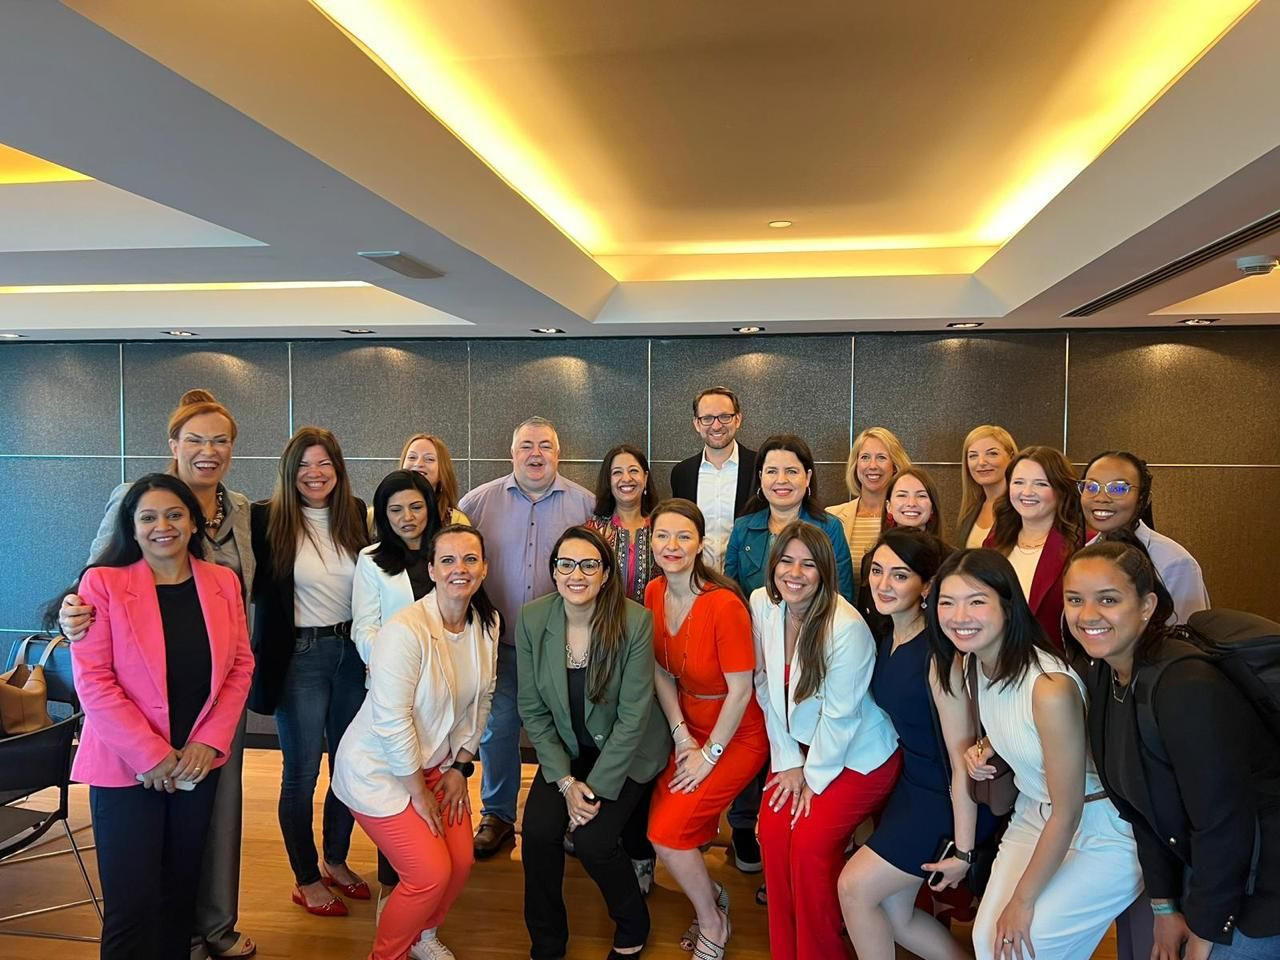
(433, 870)
(802, 863)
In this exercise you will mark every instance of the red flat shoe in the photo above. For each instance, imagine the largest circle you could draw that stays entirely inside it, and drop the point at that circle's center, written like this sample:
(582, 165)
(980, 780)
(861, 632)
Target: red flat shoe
(331, 908)
(356, 891)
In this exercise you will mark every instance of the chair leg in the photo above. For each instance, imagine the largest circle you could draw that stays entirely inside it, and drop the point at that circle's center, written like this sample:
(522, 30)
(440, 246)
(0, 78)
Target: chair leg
(50, 935)
(83, 872)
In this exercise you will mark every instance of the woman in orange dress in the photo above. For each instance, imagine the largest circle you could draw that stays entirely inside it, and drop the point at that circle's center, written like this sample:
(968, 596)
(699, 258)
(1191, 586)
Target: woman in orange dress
(705, 659)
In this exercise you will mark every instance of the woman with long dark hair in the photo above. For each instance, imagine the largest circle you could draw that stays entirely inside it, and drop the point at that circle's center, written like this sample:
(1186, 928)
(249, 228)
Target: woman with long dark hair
(309, 672)
(1067, 865)
(833, 752)
(1204, 799)
(162, 675)
(585, 655)
(703, 680)
(624, 499)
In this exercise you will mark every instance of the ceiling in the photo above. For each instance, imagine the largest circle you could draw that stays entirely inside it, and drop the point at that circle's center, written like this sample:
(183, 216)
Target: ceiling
(612, 170)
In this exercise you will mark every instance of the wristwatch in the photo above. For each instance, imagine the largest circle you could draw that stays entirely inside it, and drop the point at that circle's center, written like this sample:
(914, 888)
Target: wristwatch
(466, 768)
(964, 856)
(715, 749)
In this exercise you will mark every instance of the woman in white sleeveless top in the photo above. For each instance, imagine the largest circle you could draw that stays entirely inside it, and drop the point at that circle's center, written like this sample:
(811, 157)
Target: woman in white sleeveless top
(1067, 864)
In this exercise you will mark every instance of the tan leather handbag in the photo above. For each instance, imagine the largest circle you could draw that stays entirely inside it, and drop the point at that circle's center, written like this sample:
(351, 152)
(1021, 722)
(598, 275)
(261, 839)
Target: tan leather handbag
(24, 703)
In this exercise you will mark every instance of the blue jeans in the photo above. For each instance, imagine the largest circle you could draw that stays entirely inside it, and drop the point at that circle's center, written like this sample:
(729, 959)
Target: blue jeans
(323, 691)
(1247, 948)
(500, 744)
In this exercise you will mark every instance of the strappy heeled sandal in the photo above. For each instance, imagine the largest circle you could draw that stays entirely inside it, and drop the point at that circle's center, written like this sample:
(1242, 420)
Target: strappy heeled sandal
(689, 941)
(706, 950)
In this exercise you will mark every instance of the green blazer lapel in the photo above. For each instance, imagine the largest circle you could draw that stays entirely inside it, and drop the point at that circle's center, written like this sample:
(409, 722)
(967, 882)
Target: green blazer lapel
(553, 667)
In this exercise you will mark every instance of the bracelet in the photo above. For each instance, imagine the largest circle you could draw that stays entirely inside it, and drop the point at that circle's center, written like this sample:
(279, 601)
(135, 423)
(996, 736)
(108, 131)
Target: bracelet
(1166, 909)
(677, 727)
(707, 757)
(565, 784)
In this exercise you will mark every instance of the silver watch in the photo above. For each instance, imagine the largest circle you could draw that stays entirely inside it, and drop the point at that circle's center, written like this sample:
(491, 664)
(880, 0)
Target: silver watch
(715, 749)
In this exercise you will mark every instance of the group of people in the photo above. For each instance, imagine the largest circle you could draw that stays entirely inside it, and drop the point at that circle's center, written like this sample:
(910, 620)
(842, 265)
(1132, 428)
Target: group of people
(736, 648)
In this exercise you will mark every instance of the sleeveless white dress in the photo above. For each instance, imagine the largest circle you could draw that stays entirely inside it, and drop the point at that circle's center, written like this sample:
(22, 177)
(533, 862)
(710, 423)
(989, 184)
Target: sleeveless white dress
(1100, 875)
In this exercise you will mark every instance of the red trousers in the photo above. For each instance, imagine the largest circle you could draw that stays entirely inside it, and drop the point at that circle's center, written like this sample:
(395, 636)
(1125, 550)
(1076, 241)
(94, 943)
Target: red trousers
(432, 872)
(802, 864)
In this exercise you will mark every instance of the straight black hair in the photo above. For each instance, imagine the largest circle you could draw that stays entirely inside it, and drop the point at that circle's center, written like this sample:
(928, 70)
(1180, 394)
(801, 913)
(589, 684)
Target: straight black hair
(922, 552)
(392, 554)
(1023, 634)
(481, 605)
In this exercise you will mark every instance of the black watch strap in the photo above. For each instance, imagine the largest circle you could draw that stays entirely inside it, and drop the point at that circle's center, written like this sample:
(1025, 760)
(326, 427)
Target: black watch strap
(965, 856)
(466, 768)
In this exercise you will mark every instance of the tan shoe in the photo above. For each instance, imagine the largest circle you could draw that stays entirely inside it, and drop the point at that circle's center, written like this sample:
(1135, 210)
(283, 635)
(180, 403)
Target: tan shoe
(493, 834)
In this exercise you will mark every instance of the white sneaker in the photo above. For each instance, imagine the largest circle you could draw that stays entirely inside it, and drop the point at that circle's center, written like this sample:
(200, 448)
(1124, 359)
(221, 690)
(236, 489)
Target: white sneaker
(429, 947)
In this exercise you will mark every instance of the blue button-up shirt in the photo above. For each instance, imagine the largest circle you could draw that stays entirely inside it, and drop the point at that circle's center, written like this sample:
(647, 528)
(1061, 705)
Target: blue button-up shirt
(518, 536)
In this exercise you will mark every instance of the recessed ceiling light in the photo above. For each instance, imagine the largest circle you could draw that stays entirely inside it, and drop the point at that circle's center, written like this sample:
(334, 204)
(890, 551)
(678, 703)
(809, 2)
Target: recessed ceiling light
(751, 329)
(1199, 321)
(358, 331)
(10, 336)
(401, 263)
(964, 325)
(181, 333)
(779, 224)
(547, 330)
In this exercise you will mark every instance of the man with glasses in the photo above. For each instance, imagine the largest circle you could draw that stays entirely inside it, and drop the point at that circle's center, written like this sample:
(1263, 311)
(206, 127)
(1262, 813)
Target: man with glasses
(521, 516)
(720, 478)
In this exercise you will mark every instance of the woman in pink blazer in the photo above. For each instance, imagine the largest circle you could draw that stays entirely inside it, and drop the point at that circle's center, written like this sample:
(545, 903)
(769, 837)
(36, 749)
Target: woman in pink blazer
(162, 675)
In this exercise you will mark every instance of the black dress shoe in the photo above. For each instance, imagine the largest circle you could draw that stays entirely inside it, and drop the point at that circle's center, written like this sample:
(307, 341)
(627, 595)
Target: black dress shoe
(745, 850)
(493, 834)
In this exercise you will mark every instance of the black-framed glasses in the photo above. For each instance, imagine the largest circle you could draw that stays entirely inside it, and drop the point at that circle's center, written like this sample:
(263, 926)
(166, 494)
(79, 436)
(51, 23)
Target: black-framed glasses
(723, 418)
(590, 566)
(1113, 488)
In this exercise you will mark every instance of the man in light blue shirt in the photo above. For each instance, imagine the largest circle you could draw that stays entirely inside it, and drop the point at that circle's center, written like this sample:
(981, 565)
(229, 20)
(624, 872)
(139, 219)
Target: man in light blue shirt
(521, 516)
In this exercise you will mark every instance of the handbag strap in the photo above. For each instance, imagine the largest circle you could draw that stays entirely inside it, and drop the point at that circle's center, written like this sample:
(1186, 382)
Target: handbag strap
(20, 652)
(48, 650)
(971, 685)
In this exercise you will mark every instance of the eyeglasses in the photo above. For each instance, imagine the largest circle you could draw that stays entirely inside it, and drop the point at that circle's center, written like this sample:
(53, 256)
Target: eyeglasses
(1114, 488)
(589, 567)
(722, 418)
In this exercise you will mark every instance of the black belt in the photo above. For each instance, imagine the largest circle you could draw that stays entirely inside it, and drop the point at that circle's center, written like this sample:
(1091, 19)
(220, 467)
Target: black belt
(341, 630)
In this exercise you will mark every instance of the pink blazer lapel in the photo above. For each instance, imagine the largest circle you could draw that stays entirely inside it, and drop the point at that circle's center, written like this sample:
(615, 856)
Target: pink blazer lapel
(217, 621)
(142, 607)
(1052, 560)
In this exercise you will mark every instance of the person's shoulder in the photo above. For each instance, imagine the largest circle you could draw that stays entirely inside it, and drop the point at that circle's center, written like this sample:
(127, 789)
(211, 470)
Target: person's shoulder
(238, 499)
(486, 489)
(720, 599)
(539, 611)
(653, 590)
(635, 615)
(366, 553)
(843, 510)
(223, 576)
(688, 463)
(576, 490)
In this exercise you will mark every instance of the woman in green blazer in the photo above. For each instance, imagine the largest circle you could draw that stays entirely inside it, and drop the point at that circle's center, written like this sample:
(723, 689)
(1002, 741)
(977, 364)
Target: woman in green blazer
(585, 661)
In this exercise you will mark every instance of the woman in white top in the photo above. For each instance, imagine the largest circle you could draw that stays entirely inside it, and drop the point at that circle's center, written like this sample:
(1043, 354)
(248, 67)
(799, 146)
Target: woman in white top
(876, 457)
(1067, 864)
(833, 753)
(1115, 494)
(403, 764)
(986, 453)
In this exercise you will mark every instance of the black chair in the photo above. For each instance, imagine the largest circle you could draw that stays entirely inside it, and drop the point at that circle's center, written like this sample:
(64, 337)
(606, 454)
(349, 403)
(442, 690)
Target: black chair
(30, 763)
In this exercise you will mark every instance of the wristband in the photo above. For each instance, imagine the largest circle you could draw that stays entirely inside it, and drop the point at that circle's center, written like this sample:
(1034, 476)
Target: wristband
(565, 784)
(964, 856)
(1166, 909)
(677, 727)
(707, 757)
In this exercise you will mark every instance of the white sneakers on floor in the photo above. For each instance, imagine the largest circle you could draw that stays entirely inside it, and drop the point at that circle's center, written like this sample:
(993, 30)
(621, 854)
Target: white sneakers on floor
(429, 947)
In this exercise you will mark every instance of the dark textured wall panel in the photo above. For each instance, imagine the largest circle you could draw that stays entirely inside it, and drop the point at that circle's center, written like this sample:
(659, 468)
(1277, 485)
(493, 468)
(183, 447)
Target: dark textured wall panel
(595, 391)
(375, 395)
(49, 514)
(60, 398)
(794, 385)
(249, 379)
(1185, 396)
(931, 389)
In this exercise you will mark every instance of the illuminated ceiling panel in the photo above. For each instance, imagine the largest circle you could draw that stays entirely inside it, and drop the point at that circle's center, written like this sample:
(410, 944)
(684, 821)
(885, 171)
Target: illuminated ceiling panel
(19, 167)
(179, 287)
(663, 137)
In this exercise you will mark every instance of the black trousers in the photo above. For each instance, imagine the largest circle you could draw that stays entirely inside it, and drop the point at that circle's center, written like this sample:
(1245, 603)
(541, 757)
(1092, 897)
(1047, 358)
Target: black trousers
(150, 858)
(599, 848)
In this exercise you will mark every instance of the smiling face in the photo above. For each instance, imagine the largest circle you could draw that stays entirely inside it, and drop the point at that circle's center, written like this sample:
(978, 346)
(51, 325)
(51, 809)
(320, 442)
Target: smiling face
(723, 423)
(783, 479)
(408, 515)
(895, 587)
(1108, 511)
(458, 567)
(1103, 609)
(675, 543)
(421, 457)
(909, 503)
(627, 479)
(203, 450)
(1031, 493)
(317, 476)
(535, 457)
(875, 466)
(163, 526)
(970, 614)
(987, 461)
(796, 576)
(579, 572)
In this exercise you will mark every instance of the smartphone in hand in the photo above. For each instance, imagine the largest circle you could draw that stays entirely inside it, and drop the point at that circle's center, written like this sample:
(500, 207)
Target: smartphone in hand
(185, 785)
(945, 849)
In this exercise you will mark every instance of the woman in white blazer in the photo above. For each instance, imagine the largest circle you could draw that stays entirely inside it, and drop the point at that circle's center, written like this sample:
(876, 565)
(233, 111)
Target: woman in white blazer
(403, 764)
(834, 754)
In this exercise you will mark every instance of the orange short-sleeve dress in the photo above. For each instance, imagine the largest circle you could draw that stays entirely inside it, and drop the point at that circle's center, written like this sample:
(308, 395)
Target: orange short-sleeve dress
(714, 639)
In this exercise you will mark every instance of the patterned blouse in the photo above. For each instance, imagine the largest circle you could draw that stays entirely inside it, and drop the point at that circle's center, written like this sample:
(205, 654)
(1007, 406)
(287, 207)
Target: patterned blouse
(631, 553)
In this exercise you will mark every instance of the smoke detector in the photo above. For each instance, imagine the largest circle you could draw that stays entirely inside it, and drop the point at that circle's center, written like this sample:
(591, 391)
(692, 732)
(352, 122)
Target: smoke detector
(1256, 266)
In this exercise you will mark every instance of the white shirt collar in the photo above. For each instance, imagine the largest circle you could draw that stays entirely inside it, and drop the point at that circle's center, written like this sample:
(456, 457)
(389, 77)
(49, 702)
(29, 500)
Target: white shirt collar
(733, 456)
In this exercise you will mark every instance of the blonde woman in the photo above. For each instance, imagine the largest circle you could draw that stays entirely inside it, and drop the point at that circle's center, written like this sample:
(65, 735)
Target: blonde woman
(986, 454)
(876, 458)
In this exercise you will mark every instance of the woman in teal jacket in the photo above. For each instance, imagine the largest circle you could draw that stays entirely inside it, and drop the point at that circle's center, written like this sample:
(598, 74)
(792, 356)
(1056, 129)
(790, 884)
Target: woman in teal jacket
(784, 493)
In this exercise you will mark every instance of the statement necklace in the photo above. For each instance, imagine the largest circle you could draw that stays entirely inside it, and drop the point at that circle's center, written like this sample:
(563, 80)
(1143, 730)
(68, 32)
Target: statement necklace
(219, 514)
(573, 662)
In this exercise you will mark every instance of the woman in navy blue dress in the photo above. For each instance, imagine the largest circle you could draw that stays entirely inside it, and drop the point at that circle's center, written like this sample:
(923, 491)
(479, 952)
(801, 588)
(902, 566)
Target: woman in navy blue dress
(930, 804)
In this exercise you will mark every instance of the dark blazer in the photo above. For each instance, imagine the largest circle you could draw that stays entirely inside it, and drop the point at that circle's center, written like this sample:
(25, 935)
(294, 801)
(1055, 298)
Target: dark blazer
(1194, 819)
(273, 627)
(1045, 600)
(684, 478)
(627, 725)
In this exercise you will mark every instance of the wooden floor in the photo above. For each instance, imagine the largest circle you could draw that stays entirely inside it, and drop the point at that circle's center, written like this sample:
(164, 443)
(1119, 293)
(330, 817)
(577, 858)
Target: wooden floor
(486, 922)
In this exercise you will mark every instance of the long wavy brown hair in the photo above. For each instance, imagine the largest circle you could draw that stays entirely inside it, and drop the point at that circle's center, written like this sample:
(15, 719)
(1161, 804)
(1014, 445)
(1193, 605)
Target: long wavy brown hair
(815, 630)
(704, 577)
(1068, 518)
(348, 525)
(970, 493)
(608, 619)
(446, 489)
(934, 523)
